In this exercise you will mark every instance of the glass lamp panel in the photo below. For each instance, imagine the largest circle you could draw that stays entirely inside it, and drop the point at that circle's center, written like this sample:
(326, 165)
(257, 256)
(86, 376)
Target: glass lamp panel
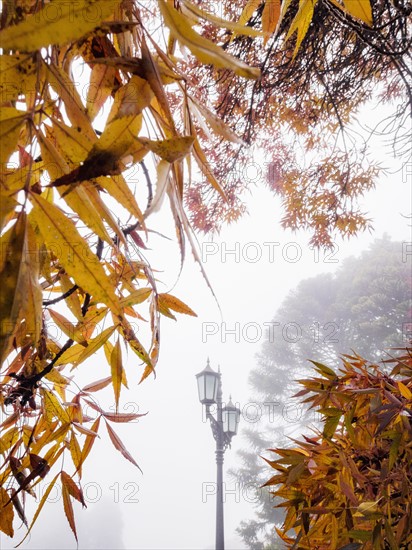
(230, 418)
(207, 384)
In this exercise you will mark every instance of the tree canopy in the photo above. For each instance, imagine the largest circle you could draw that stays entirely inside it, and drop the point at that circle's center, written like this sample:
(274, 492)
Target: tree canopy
(94, 89)
(321, 63)
(364, 305)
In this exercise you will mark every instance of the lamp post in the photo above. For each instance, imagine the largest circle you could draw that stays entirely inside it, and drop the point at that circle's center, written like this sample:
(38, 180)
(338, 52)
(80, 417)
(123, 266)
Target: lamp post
(224, 427)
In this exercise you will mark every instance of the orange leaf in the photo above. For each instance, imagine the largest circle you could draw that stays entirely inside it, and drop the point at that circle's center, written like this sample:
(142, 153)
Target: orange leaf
(122, 417)
(171, 302)
(88, 444)
(7, 513)
(270, 18)
(68, 508)
(73, 489)
(119, 446)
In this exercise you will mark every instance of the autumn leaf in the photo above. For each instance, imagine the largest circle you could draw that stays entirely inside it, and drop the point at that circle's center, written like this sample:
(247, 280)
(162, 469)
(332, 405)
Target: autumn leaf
(360, 9)
(94, 344)
(7, 513)
(270, 18)
(301, 22)
(98, 385)
(89, 442)
(77, 259)
(205, 50)
(68, 508)
(18, 73)
(15, 279)
(172, 149)
(119, 445)
(238, 28)
(122, 417)
(175, 304)
(53, 408)
(56, 23)
(116, 366)
(11, 122)
(73, 489)
(100, 87)
(247, 12)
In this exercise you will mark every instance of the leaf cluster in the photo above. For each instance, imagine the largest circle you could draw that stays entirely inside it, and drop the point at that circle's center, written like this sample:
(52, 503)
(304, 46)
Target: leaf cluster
(321, 63)
(349, 486)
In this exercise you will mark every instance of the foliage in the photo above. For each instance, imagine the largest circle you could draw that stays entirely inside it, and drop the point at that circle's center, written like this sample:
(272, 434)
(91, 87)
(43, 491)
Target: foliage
(89, 92)
(75, 224)
(350, 485)
(305, 109)
(365, 304)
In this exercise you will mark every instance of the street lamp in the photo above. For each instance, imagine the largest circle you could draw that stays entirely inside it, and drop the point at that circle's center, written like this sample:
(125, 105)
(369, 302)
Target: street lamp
(224, 427)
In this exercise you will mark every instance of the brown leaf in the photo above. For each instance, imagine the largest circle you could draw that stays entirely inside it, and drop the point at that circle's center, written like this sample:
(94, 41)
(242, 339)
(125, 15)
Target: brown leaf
(7, 513)
(119, 446)
(68, 508)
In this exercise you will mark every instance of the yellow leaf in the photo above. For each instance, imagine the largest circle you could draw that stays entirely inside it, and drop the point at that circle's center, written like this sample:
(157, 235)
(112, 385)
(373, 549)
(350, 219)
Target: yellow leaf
(206, 51)
(53, 408)
(77, 197)
(238, 28)
(94, 345)
(270, 18)
(65, 325)
(57, 378)
(7, 207)
(172, 149)
(18, 75)
(117, 187)
(8, 439)
(73, 300)
(248, 11)
(75, 144)
(206, 169)
(116, 370)
(136, 297)
(14, 281)
(73, 252)
(90, 439)
(11, 121)
(216, 123)
(58, 22)
(301, 22)
(66, 90)
(361, 9)
(128, 333)
(71, 355)
(7, 513)
(175, 304)
(152, 74)
(405, 391)
(34, 294)
(130, 100)
(75, 452)
(368, 507)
